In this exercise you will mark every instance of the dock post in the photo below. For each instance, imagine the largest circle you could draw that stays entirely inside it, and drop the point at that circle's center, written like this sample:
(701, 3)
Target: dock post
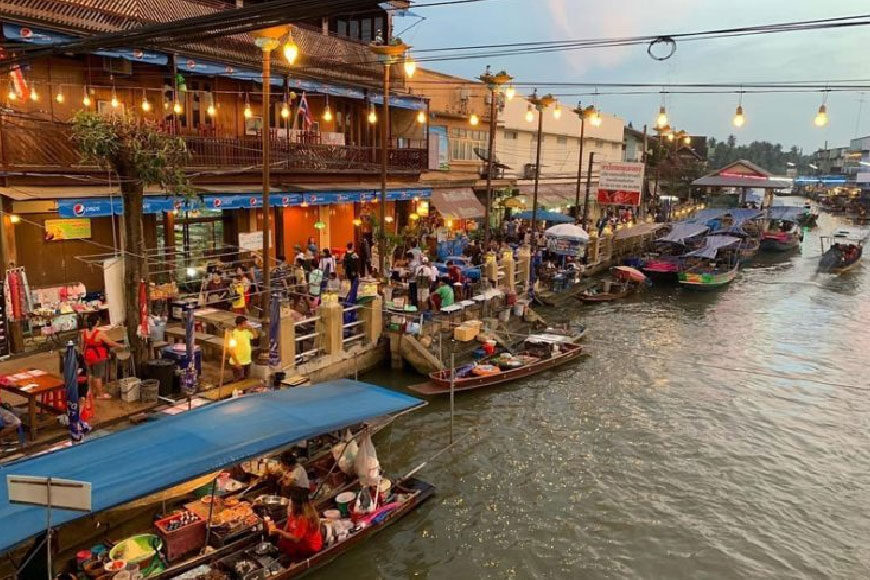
(452, 379)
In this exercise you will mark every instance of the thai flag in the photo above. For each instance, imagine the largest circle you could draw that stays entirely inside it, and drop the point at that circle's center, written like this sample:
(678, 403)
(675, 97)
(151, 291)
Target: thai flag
(305, 111)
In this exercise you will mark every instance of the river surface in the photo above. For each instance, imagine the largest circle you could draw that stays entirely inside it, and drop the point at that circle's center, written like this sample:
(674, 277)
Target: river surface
(658, 456)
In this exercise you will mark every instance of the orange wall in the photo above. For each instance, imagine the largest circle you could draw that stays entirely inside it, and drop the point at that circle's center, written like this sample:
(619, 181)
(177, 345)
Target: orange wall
(341, 228)
(298, 226)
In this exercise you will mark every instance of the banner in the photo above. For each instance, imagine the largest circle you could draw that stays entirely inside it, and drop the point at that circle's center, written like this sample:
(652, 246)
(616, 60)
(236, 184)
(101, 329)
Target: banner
(251, 241)
(620, 183)
(68, 229)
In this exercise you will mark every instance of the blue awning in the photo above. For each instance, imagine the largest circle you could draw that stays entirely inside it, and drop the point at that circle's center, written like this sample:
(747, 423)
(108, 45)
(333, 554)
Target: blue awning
(682, 231)
(545, 216)
(143, 460)
(20, 33)
(712, 217)
(712, 244)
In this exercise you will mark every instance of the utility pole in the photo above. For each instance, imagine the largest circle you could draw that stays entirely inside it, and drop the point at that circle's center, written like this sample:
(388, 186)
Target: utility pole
(540, 104)
(494, 83)
(588, 187)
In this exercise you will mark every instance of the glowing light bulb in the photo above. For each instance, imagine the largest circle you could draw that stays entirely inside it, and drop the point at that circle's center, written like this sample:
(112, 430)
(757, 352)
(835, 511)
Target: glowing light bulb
(449, 223)
(291, 51)
(210, 110)
(557, 112)
(86, 101)
(595, 119)
(687, 140)
(327, 114)
(285, 111)
(739, 119)
(191, 272)
(474, 120)
(821, 117)
(389, 219)
(14, 218)
(176, 107)
(662, 118)
(12, 95)
(304, 203)
(232, 343)
(357, 222)
(247, 112)
(413, 217)
(114, 101)
(421, 117)
(34, 96)
(510, 92)
(59, 97)
(373, 116)
(410, 67)
(529, 115)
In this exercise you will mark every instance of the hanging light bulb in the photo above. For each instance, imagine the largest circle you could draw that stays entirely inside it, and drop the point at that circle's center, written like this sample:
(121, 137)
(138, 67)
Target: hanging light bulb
(413, 216)
(357, 222)
(12, 95)
(662, 118)
(373, 116)
(821, 117)
(327, 114)
(739, 119)
(114, 101)
(410, 67)
(595, 119)
(687, 139)
(146, 104)
(59, 96)
(474, 120)
(285, 110)
(86, 100)
(290, 49)
(247, 111)
(209, 110)
(557, 112)
(34, 95)
(421, 117)
(177, 108)
(510, 92)
(529, 115)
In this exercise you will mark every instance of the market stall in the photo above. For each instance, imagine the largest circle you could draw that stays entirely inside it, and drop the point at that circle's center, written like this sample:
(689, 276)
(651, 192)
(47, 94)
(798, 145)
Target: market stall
(223, 445)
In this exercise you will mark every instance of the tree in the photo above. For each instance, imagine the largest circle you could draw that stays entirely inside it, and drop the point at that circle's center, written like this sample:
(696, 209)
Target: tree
(141, 156)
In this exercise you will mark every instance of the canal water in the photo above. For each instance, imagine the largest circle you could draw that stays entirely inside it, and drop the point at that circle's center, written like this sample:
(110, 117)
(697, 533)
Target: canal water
(718, 435)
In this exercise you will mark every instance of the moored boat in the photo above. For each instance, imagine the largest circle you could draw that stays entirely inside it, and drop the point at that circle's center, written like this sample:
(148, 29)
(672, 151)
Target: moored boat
(842, 251)
(713, 266)
(781, 232)
(663, 264)
(541, 352)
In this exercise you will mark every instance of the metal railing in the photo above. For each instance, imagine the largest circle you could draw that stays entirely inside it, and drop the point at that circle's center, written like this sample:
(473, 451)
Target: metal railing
(309, 341)
(354, 330)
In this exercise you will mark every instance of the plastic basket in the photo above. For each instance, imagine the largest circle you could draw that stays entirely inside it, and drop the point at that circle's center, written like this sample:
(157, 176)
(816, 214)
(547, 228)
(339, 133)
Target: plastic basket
(129, 388)
(149, 390)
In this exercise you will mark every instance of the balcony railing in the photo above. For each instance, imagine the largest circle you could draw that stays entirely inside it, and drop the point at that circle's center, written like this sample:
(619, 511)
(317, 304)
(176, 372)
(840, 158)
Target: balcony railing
(36, 144)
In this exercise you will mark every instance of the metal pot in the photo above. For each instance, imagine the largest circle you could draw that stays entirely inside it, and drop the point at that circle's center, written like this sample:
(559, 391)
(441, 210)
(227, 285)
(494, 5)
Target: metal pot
(272, 501)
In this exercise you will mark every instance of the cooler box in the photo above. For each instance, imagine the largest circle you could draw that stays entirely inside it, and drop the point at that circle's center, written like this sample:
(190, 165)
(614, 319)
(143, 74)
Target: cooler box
(189, 539)
(178, 354)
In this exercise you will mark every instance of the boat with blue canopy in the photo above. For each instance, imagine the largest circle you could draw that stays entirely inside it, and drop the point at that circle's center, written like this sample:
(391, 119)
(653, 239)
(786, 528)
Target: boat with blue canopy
(663, 263)
(712, 266)
(781, 231)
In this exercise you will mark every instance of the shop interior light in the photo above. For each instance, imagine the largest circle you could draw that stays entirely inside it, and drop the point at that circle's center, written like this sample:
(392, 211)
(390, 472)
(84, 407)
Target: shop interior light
(327, 114)
(319, 225)
(86, 99)
(389, 219)
(210, 110)
(176, 107)
(510, 92)
(449, 223)
(421, 117)
(247, 112)
(474, 120)
(146, 105)
(304, 203)
(114, 102)
(413, 217)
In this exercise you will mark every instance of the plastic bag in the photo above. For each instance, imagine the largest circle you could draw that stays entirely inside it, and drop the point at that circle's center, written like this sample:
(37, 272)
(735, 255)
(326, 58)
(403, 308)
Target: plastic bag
(368, 469)
(345, 452)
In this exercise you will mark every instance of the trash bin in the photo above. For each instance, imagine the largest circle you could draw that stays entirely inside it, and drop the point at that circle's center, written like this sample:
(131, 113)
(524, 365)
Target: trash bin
(163, 371)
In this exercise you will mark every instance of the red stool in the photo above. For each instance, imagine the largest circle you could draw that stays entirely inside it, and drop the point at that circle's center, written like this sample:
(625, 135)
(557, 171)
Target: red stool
(87, 412)
(55, 399)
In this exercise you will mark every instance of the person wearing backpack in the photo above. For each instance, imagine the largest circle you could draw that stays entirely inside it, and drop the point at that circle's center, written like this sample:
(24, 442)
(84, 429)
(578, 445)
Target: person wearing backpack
(95, 345)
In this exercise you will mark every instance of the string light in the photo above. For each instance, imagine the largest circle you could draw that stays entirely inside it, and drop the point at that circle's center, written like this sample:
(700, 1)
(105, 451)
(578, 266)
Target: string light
(529, 115)
(146, 104)
(557, 112)
(421, 117)
(59, 96)
(34, 95)
(474, 120)
(373, 116)
(327, 114)
(595, 119)
(662, 118)
(410, 67)
(290, 49)
(86, 100)
(822, 116)
(176, 107)
(510, 92)
(12, 95)
(248, 113)
(285, 110)
(739, 118)
(114, 101)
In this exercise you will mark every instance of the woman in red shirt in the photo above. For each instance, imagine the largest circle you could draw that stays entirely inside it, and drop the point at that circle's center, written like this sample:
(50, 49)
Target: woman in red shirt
(301, 537)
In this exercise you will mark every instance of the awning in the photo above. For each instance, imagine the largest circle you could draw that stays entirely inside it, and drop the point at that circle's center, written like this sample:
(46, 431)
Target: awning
(750, 182)
(139, 461)
(459, 203)
(709, 216)
(712, 245)
(683, 231)
(544, 216)
(21, 33)
(554, 194)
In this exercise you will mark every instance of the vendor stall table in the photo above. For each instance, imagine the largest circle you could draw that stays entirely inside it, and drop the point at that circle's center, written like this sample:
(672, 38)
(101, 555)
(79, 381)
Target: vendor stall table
(32, 386)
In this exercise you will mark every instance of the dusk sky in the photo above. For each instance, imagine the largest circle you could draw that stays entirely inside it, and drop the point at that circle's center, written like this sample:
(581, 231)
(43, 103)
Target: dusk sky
(816, 56)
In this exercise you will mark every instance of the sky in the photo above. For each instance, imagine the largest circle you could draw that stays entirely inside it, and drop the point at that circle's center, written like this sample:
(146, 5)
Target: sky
(814, 56)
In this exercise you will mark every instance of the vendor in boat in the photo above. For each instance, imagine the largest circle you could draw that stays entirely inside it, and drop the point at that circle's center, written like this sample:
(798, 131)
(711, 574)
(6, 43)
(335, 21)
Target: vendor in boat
(290, 477)
(300, 538)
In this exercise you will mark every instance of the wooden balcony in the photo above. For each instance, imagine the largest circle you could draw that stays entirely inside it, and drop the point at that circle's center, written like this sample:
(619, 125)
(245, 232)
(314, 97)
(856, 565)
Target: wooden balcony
(45, 146)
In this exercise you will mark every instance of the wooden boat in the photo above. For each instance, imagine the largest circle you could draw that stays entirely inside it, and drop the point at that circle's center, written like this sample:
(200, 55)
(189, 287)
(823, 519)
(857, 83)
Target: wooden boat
(781, 241)
(612, 293)
(842, 251)
(808, 219)
(663, 264)
(466, 380)
(570, 332)
(713, 266)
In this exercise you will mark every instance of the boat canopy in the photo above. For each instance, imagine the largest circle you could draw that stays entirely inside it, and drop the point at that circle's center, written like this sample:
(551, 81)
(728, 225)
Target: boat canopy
(712, 216)
(682, 231)
(140, 461)
(784, 213)
(712, 244)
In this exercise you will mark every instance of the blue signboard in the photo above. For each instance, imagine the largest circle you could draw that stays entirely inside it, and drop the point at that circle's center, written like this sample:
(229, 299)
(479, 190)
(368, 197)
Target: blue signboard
(89, 208)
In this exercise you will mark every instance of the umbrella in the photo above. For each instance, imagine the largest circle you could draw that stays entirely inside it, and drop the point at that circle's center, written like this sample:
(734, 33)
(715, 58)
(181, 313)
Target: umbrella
(142, 330)
(71, 379)
(567, 232)
(274, 329)
(629, 273)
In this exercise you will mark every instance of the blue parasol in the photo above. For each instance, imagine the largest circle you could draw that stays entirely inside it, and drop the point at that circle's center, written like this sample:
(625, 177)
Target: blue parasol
(71, 378)
(274, 329)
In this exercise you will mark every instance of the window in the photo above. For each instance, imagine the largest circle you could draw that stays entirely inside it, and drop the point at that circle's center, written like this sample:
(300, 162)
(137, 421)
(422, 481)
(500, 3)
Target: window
(561, 139)
(464, 141)
(512, 135)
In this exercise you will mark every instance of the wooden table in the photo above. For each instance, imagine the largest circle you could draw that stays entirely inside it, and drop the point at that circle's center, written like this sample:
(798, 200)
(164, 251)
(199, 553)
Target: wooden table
(31, 388)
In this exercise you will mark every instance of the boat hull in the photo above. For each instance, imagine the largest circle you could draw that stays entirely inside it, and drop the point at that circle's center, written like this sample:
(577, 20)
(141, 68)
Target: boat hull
(780, 243)
(439, 382)
(707, 280)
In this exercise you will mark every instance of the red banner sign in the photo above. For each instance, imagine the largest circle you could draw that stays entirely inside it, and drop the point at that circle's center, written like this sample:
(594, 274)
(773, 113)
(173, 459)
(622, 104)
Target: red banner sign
(620, 183)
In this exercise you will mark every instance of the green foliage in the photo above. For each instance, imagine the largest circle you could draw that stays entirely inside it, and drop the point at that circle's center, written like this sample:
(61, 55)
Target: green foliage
(134, 148)
(770, 156)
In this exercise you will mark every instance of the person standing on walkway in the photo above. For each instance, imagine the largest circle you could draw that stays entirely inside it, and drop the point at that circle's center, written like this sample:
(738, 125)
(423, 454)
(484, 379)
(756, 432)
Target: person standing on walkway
(95, 345)
(240, 348)
(351, 263)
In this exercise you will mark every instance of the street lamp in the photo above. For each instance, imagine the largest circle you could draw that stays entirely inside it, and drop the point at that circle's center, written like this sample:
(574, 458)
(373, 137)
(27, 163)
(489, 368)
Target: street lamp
(540, 104)
(584, 113)
(495, 83)
(388, 54)
(268, 40)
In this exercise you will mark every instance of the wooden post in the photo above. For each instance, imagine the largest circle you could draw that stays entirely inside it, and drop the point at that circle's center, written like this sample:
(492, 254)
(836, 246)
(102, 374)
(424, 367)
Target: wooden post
(223, 364)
